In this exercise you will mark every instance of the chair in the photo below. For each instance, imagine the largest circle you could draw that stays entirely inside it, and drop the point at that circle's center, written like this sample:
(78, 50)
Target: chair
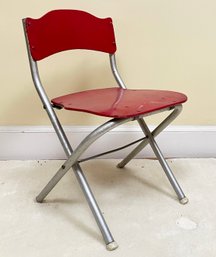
(61, 30)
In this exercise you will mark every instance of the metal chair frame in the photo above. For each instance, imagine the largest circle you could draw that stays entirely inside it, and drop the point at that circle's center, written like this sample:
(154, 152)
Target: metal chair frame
(73, 156)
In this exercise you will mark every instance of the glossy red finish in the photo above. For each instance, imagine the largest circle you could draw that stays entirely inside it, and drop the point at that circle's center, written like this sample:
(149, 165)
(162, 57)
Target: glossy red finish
(119, 103)
(61, 30)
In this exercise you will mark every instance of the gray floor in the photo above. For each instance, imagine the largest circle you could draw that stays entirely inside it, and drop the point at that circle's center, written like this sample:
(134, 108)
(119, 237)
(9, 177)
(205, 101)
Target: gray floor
(138, 203)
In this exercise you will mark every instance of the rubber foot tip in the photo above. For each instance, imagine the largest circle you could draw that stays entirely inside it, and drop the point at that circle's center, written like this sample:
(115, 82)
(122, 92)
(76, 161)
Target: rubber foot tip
(38, 200)
(119, 166)
(184, 200)
(111, 246)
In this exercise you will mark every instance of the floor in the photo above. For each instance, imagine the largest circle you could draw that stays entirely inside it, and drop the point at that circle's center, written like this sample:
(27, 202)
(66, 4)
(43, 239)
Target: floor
(138, 203)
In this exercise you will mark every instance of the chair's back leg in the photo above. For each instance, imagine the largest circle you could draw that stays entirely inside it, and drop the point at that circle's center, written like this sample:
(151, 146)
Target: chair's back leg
(181, 196)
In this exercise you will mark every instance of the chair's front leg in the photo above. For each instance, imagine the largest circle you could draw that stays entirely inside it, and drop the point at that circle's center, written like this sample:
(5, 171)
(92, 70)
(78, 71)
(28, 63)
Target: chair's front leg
(107, 236)
(181, 196)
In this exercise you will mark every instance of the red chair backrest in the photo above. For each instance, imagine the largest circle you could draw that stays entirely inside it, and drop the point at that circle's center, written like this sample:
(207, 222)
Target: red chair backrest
(61, 30)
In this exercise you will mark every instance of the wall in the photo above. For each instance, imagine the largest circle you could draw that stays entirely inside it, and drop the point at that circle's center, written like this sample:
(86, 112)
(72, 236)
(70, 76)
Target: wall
(161, 44)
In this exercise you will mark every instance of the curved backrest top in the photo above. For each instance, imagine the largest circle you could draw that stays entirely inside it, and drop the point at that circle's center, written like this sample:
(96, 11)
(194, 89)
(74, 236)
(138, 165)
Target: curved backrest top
(61, 30)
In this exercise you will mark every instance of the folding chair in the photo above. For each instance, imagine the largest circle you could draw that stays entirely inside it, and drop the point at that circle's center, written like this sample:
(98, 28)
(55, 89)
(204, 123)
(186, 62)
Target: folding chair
(61, 30)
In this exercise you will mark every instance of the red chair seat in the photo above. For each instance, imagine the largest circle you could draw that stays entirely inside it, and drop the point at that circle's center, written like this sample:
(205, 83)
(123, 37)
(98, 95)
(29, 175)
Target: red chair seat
(118, 102)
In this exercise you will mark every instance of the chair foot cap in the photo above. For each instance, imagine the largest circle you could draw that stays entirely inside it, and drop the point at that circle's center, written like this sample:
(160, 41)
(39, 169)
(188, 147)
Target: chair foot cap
(184, 200)
(38, 200)
(119, 166)
(111, 246)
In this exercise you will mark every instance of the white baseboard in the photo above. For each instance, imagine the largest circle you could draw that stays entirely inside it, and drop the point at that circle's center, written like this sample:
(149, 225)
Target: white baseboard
(40, 142)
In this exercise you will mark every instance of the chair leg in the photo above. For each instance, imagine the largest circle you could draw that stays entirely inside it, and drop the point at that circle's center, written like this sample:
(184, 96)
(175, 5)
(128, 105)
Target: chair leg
(107, 236)
(181, 196)
(71, 162)
(51, 184)
(132, 154)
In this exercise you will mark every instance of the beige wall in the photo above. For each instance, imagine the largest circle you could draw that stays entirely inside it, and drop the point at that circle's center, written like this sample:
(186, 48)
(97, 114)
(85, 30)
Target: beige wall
(161, 44)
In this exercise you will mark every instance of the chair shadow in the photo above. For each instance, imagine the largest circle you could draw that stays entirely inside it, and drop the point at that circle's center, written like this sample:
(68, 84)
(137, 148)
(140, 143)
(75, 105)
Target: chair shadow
(146, 183)
(109, 170)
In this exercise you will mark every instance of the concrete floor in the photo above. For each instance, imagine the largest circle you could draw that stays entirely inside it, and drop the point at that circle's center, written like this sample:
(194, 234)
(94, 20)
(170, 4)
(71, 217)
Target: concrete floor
(138, 203)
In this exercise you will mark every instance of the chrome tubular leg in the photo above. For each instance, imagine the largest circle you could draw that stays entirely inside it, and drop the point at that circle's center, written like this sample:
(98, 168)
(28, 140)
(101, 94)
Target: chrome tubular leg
(51, 184)
(131, 155)
(177, 110)
(110, 243)
(72, 162)
(181, 196)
